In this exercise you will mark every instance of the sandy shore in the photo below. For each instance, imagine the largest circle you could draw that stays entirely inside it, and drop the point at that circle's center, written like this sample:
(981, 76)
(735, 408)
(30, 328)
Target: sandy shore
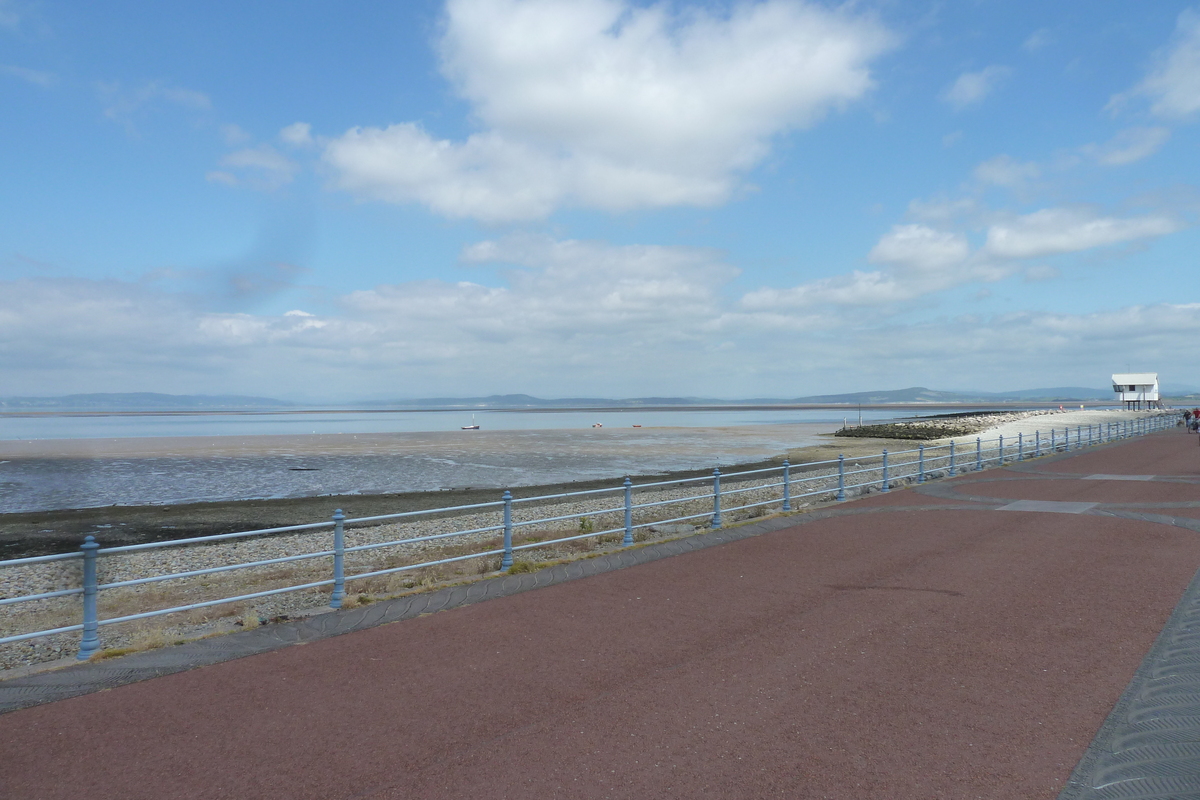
(1043, 422)
(45, 532)
(22, 534)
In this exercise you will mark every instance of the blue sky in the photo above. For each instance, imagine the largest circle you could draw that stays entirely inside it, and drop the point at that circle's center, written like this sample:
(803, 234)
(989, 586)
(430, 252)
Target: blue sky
(595, 197)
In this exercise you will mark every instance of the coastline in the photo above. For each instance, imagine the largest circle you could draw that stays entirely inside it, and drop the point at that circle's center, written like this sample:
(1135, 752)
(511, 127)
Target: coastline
(29, 533)
(33, 533)
(382, 545)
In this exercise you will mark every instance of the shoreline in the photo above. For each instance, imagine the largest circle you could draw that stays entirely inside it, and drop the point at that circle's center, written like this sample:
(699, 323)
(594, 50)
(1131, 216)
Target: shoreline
(169, 412)
(393, 557)
(31, 533)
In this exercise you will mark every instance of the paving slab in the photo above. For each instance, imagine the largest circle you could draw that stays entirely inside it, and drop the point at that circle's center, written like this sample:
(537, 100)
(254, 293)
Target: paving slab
(1080, 491)
(904, 647)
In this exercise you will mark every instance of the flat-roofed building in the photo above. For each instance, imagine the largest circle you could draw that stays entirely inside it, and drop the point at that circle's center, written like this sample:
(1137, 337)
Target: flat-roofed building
(1137, 388)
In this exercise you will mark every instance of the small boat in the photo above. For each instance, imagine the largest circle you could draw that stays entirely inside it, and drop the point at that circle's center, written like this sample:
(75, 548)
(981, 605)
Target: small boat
(472, 426)
(597, 425)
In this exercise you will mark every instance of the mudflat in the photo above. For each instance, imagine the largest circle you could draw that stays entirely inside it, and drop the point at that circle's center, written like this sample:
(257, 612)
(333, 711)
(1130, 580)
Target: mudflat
(45, 532)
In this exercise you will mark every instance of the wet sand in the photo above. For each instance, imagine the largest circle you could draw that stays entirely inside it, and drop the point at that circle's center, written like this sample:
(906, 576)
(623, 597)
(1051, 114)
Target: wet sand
(44, 532)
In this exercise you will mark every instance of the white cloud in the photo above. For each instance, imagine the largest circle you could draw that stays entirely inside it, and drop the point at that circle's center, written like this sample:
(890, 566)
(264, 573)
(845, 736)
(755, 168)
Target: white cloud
(857, 289)
(603, 104)
(1128, 146)
(556, 326)
(298, 134)
(1054, 231)
(1007, 172)
(1173, 83)
(35, 76)
(942, 211)
(566, 288)
(233, 135)
(972, 87)
(221, 176)
(920, 260)
(265, 167)
(122, 105)
(1038, 39)
(920, 248)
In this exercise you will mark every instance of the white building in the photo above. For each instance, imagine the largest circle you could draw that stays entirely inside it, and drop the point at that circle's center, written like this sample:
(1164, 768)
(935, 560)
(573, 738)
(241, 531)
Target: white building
(1137, 388)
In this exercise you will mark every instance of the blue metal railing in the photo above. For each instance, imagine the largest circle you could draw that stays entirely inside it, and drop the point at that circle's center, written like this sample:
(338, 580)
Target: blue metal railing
(919, 465)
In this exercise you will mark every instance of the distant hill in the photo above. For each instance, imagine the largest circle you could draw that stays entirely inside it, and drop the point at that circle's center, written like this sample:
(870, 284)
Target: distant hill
(141, 401)
(152, 401)
(915, 394)
(528, 401)
(919, 394)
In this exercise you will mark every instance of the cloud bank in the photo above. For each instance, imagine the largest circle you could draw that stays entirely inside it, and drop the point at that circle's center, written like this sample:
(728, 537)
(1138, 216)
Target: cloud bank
(558, 317)
(603, 104)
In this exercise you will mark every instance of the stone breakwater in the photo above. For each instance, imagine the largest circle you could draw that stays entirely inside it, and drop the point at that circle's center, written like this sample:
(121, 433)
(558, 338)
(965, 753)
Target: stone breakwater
(943, 426)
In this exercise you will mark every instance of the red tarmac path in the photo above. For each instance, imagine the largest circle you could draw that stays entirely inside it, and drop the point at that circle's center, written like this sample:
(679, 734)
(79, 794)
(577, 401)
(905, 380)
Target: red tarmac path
(950, 653)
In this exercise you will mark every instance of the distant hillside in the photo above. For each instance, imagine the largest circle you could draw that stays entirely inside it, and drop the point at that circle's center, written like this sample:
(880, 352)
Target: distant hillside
(919, 394)
(140, 401)
(528, 401)
(152, 401)
(916, 394)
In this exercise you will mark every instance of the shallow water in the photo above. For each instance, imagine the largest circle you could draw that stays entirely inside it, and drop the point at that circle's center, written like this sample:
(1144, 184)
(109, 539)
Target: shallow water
(90, 426)
(90, 473)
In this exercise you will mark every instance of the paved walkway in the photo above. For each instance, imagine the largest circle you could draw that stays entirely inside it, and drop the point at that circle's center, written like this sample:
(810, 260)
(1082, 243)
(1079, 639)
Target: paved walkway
(966, 639)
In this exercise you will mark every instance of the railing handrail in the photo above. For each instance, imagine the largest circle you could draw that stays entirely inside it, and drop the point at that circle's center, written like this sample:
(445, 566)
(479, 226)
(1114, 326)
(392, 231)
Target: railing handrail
(810, 478)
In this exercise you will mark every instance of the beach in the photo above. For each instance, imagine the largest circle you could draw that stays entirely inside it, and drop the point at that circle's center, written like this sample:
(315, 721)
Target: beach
(44, 532)
(157, 488)
(40, 532)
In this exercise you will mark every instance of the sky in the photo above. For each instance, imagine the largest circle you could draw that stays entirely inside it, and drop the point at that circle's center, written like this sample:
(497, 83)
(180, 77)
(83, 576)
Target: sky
(330, 202)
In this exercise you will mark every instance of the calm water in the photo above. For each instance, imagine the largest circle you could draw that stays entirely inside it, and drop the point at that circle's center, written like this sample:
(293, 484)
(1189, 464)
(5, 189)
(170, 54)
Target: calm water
(378, 452)
(255, 424)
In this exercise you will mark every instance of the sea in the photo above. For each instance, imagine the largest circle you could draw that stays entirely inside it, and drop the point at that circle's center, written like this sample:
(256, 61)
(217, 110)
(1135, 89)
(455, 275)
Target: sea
(57, 461)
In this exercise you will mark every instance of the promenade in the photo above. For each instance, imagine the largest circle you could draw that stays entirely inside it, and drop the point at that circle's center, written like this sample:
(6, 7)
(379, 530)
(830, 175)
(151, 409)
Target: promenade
(968, 638)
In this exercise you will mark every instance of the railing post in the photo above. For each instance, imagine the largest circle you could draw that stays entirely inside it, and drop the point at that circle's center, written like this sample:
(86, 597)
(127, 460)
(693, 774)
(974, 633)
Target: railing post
(787, 485)
(1078, 437)
(1053, 445)
(339, 553)
(507, 560)
(1037, 444)
(716, 519)
(1000, 448)
(628, 540)
(978, 453)
(920, 463)
(1090, 441)
(953, 471)
(885, 475)
(90, 642)
(1020, 446)
(841, 477)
